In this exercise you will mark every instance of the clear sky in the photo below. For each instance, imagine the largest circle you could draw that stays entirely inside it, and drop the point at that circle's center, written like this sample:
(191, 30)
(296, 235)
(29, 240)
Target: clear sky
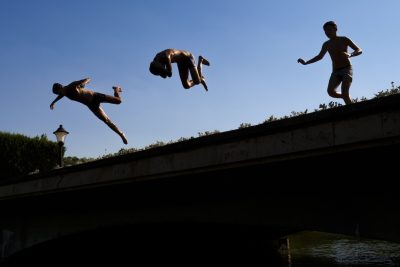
(252, 45)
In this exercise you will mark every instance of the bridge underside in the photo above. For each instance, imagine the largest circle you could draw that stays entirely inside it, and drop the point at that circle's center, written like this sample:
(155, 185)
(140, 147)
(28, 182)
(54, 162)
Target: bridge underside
(331, 191)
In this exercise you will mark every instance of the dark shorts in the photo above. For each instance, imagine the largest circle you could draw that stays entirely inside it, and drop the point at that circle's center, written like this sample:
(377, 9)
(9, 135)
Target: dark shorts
(97, 99)
(188, 63)
(341, 73)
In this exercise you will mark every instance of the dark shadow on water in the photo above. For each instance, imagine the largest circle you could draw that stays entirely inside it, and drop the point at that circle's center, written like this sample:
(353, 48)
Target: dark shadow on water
(177, 245)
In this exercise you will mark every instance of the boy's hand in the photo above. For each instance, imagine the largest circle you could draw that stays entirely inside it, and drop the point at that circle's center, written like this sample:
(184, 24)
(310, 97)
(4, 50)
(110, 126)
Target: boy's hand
(300, 60)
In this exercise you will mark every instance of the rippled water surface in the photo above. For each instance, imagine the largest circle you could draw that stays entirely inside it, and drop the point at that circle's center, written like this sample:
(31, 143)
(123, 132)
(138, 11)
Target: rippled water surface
(319, 249)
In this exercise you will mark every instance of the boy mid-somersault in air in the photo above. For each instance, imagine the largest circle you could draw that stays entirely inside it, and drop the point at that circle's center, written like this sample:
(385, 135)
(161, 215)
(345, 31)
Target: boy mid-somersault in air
(162, 66)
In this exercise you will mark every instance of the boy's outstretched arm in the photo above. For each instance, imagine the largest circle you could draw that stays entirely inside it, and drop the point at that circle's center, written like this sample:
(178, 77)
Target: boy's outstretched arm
(55, 100)
(321, 54)
(83, 82)
(80, 83)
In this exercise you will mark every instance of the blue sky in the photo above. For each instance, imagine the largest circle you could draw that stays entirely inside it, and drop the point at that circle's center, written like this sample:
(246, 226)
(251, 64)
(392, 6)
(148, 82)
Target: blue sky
(252, 45)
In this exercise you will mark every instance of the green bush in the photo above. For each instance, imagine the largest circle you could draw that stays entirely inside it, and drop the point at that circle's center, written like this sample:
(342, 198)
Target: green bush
(21, 155)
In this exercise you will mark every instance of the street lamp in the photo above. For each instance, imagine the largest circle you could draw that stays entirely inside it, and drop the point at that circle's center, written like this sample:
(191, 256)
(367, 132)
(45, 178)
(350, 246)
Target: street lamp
(60, 133)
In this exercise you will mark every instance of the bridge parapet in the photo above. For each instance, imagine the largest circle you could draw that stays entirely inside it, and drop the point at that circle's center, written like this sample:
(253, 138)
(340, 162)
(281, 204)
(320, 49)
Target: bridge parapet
(366, 123)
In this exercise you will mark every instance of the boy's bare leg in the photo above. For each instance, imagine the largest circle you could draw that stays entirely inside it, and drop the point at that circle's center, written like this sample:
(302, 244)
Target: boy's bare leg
(123, 138)
(184, 75)
(102, 116)
(203, 82)
(345, 89)
(202, 61)
(332, 86)
(116, 99)
(117, 94)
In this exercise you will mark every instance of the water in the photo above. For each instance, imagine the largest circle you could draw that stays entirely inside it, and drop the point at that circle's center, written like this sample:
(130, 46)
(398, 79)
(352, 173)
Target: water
(320, 249)
(159, 248)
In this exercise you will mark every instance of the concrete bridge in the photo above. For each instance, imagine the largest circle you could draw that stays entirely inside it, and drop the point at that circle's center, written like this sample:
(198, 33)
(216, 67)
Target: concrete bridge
(333, 171)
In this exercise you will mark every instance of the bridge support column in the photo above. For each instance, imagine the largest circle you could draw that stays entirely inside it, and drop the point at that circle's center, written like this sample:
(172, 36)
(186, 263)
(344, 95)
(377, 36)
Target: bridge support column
(262, 252)
(284, 251)
(276, 252)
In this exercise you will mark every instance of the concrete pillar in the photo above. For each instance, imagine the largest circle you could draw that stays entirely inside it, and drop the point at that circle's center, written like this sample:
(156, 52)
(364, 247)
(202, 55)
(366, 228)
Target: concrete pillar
(284, 251)
(7, 240)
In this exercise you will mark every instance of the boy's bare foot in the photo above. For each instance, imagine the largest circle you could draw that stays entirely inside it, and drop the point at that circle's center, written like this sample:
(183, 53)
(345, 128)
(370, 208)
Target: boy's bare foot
(117, 89)
(204, 61)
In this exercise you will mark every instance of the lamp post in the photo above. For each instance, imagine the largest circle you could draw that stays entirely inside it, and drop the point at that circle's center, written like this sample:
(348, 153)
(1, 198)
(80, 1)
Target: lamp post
(60, 133)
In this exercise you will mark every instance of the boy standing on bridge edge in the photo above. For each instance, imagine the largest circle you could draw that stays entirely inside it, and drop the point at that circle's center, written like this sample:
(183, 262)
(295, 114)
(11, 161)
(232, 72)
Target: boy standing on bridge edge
(342, 71)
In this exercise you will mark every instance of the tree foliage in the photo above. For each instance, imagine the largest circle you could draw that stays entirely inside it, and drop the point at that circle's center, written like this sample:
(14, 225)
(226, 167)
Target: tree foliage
(21, 155)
